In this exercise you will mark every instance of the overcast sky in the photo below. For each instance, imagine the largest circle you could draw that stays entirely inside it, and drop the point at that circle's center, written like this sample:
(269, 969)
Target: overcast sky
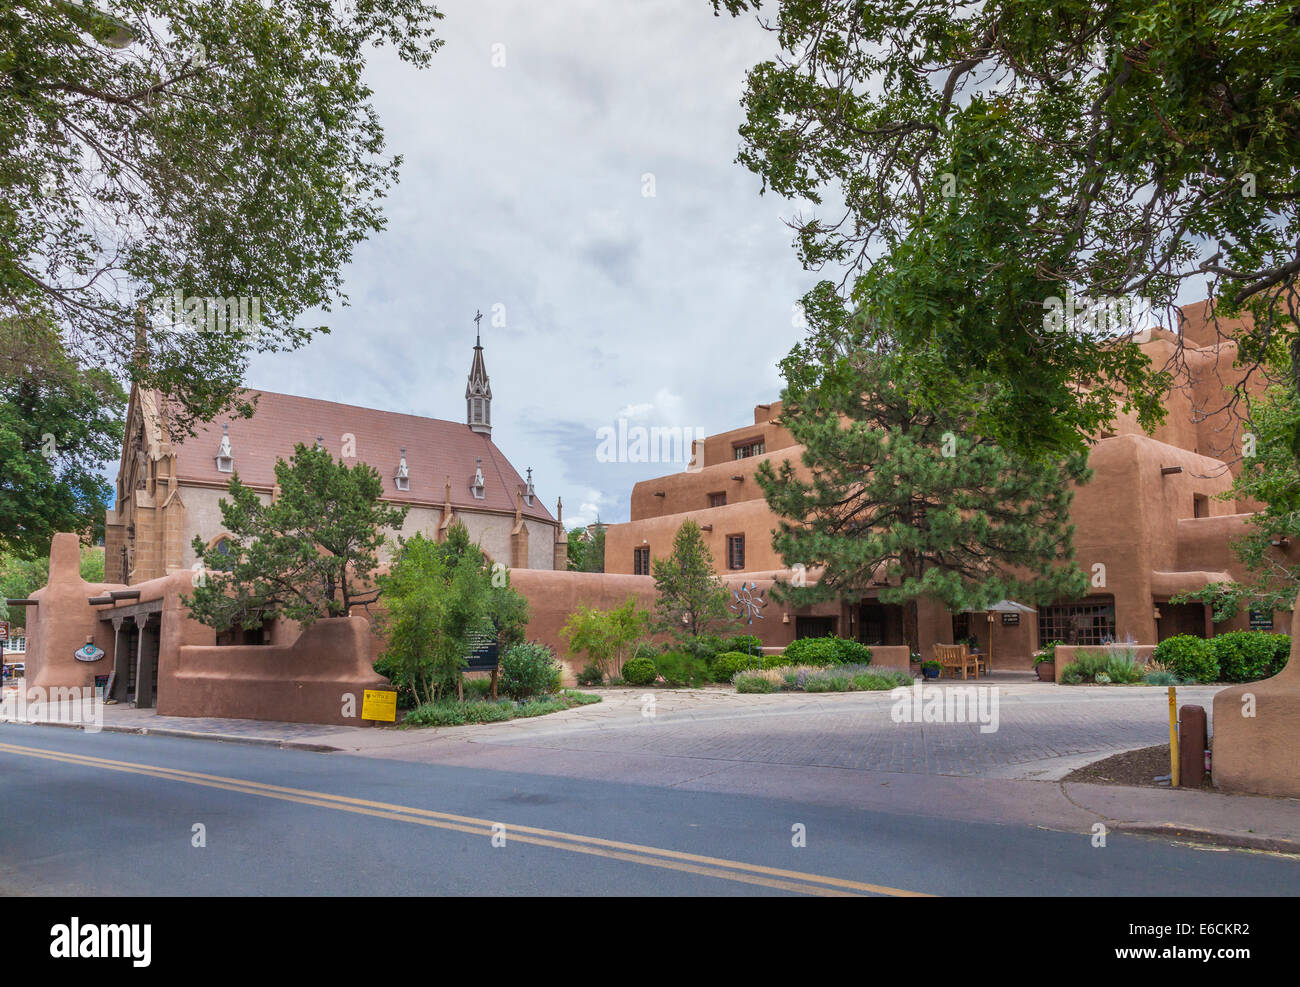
(523, 187)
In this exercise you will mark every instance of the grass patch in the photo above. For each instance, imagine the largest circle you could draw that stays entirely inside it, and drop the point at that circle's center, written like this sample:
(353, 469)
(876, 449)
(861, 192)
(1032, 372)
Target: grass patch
(452, 713)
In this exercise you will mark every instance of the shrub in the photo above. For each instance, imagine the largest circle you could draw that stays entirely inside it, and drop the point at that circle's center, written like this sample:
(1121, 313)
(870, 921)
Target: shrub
(529, 669)
(727, 664)
(451, 713)
(591, 675)
(1188, 657)
(811, 651)
(704, 646)
(851, 652)
(679, 669)
(477, 688)
(1161, 678)
(750, 682)
(645, 649)
(1244, 656)
(1122, 666)
(640, 671)
(744, 643)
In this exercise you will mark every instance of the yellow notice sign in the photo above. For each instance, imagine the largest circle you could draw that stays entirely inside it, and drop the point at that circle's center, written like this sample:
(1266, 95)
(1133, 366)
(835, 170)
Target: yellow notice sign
(379, 704)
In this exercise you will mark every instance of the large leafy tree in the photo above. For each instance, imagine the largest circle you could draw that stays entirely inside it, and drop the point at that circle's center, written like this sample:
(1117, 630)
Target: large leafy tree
(59, 423)
(219, 150)
(308, 554)
(1268, 475)
(21, 577)
(967, 162)
(904, 496)
(691, 598)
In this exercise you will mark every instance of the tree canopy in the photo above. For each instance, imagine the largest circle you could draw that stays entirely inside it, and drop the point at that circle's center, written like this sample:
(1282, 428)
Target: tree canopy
(309, 553)
(207, 151)
(904, 498)
(59, 423)
(964, 164)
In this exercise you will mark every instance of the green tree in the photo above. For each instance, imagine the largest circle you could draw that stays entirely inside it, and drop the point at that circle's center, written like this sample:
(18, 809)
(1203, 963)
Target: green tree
(691, 598)
(20, 578)
(990, 157)
(587, 551)
(59, 423)
(218, 150)
(309, 554)
(606, 636)
(904, 494)
(508, 609)
(1268, 476)
(435, 603)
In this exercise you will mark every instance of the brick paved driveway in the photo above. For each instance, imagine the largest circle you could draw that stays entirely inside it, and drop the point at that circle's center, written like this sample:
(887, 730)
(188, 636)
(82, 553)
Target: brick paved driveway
(1043, 731)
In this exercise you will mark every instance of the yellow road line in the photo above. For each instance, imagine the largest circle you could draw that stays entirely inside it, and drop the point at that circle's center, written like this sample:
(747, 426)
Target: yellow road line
(733, 870)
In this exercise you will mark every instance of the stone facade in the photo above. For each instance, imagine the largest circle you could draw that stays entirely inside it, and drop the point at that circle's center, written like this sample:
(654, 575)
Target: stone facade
(168, 492)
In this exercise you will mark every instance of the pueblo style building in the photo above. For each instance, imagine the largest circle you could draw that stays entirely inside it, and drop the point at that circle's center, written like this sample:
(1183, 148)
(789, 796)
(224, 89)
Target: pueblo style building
(168, 492)
(1147, 527)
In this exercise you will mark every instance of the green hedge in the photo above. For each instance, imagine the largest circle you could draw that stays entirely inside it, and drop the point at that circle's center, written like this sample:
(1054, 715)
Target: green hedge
(1246, 656)
(679, 669)
(727, 664)
(826, 651)
(1188, 657)
(639, 671)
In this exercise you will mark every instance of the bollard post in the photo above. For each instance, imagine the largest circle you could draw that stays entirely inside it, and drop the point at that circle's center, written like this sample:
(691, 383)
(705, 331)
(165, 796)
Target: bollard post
(1173, 738)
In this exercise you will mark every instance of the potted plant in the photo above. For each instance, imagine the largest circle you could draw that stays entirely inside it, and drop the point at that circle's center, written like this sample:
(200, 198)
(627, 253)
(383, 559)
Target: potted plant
(931, 669)
(1045, 662)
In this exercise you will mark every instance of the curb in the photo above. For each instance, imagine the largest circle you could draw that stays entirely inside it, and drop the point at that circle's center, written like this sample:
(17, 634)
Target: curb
(229, 738)
(1213, 837)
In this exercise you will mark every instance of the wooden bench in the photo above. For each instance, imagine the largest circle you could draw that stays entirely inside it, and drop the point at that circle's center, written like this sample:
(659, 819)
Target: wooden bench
(956, 656)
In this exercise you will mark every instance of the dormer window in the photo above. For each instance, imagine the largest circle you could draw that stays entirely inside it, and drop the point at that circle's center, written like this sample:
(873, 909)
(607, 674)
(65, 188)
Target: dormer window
(528, 491)
(225, 460)
(403, 476)
(479, 487)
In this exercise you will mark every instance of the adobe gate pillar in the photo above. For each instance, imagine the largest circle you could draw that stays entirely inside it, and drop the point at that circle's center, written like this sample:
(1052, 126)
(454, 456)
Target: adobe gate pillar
(1257, 730)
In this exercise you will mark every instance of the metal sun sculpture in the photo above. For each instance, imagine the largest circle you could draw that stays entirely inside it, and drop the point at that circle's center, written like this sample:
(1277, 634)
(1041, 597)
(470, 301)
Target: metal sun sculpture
(749, 600)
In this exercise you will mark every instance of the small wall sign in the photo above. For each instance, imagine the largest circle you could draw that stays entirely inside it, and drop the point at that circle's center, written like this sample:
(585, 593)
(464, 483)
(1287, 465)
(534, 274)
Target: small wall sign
(1011, 620)
(1261, 620)
(379, 704)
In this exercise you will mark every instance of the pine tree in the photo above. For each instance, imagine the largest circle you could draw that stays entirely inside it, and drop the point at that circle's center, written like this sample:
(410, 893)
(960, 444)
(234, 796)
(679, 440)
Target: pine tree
(896, 492)
(691, 598)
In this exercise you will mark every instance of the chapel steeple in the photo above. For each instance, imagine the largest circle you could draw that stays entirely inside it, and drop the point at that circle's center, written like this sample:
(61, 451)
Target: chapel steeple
(478, 392)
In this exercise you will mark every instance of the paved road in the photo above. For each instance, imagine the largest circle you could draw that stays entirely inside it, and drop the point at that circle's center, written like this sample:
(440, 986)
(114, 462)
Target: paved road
(116, 814)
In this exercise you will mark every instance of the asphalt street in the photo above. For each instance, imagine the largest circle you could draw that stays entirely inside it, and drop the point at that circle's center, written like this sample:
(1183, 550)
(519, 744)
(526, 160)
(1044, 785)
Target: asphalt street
(117, 814)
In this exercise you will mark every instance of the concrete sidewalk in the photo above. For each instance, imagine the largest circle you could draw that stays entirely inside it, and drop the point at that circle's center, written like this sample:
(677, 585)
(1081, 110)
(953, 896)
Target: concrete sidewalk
(827, 749)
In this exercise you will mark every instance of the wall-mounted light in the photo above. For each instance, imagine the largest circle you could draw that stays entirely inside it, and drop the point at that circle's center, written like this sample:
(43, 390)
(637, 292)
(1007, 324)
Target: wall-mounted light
(785, 618)
(1155, 612)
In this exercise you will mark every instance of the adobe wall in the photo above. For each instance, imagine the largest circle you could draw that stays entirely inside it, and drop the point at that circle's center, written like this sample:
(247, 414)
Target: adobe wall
(62, 621)
(319, 678)
(1257, 731)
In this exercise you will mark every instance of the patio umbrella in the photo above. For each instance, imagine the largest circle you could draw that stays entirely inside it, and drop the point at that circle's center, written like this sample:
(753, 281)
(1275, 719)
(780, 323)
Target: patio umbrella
(1002, 606)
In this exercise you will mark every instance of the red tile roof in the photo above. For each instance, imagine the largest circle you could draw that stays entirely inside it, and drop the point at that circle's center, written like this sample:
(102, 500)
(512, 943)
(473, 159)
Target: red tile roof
(435, 449)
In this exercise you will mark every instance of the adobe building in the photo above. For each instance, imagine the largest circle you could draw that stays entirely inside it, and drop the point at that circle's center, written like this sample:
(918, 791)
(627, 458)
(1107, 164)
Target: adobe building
(1148, 526)
(169, 491)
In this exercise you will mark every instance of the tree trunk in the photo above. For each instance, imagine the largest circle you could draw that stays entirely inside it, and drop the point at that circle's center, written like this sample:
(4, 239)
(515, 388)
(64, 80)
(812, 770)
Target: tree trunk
(912, 627)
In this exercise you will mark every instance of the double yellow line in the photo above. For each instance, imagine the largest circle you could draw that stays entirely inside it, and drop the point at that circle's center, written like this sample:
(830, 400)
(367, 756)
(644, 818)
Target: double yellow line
(690, 863)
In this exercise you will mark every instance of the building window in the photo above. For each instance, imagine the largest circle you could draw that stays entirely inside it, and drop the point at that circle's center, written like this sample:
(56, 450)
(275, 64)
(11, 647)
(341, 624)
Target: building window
(16, 645)
(735, 551)
(1200, 505)
(717, 500)
(641, 561)
(747, 449)
(1090, 621)
(403, 482)
(220, 558)
(960, 627)
(813, 627)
